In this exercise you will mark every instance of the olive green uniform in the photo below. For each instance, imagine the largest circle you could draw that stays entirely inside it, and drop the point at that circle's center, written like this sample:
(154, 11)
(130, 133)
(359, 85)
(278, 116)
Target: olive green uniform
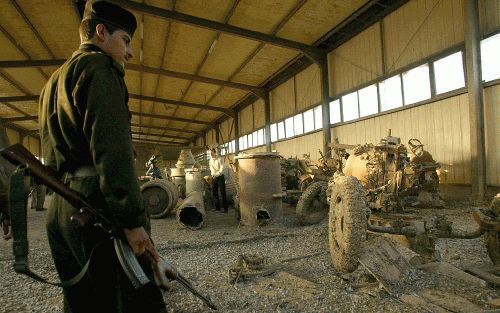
(85, 123)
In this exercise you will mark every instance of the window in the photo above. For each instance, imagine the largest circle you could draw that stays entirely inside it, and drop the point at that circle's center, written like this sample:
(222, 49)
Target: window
(318, 117)
(223, 149)
(417, 84)
(281, 130)
(289, 127)
(298, 126)
(449, 73)
(274, 133)
(250, 141)
(243, 142)
(335, 112)
(260, 137)
(350, 106)
(308, 121)
(255, 136)
(490, 63)
(390, 93)
(368, 100)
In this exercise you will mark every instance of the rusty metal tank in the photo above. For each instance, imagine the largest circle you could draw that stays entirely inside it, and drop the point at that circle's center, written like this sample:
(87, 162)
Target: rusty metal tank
(179, 179)
(194, 181)
(259, 178)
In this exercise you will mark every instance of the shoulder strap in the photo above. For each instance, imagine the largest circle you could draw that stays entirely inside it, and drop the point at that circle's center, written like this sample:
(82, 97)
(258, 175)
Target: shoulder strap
(18, 216)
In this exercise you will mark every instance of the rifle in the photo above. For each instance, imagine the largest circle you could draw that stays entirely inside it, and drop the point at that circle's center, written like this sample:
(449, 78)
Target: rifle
(18, 155)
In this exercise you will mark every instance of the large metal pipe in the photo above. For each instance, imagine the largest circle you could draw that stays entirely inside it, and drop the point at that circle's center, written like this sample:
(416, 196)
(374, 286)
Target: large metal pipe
(191, 213)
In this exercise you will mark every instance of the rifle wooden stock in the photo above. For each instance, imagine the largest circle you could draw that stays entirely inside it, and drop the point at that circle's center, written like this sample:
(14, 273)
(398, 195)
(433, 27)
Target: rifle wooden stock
(20, 156)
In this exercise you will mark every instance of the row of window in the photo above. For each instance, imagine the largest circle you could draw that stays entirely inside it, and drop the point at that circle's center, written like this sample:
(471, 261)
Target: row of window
(402, 89)
(415, 85)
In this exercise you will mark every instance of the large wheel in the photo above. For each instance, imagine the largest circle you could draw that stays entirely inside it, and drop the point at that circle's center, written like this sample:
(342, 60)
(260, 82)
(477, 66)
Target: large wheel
(159, 197)
(492, 241)
(312, 207)
(347, 222)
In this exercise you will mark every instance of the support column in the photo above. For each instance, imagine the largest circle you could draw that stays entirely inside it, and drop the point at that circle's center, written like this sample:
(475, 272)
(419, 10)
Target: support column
(236, 133)
(325, 105)
(217, 137)
(267, 115)
(204, 139)
(475, 93)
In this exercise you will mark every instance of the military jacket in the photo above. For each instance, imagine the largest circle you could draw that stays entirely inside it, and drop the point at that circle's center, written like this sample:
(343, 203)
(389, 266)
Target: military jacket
(85, 121)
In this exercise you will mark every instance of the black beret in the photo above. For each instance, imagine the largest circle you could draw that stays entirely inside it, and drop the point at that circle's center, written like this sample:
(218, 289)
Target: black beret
(110, 13)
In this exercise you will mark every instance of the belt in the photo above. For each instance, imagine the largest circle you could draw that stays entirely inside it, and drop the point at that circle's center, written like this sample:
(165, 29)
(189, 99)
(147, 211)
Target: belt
(83, 172)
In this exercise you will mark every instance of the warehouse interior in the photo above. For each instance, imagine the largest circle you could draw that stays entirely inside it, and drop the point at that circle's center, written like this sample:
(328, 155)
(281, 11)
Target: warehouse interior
(287, 78)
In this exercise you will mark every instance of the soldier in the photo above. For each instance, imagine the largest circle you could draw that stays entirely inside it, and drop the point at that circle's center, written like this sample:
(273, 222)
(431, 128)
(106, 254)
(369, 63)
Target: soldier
(85, 134)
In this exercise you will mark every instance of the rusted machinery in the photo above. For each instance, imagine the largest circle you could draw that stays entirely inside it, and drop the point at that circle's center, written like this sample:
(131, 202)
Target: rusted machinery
(191, 213)
(373, 192)
(260, 188)
(312, 206)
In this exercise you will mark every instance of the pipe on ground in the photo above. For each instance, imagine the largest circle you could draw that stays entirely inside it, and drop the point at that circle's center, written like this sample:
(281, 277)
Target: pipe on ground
(191, 213)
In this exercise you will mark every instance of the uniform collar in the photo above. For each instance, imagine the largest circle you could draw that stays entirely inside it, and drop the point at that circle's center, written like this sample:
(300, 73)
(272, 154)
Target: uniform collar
(88, 47)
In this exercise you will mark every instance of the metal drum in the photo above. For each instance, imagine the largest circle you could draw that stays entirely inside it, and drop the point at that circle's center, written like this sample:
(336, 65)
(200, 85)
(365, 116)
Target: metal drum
(194, 181)
(179, 179)
(160, 196)
(259, 177)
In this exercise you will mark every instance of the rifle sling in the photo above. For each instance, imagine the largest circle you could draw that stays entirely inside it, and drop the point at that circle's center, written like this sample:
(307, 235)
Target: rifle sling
(19, 224)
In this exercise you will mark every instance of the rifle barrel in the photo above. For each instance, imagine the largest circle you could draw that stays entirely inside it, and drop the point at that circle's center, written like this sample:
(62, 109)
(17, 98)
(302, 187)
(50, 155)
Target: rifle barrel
(184, 282)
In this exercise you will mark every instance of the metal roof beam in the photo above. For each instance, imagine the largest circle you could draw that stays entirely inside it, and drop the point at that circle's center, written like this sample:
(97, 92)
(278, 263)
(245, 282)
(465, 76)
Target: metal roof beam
(139, 68)
(167, 128)
(160, 135)
(175, 144)
(225, 28)
(181, 103)
(165, 117)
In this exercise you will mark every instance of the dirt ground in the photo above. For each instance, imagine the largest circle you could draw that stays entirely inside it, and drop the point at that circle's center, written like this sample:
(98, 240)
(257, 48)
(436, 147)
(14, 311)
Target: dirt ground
(299, 275)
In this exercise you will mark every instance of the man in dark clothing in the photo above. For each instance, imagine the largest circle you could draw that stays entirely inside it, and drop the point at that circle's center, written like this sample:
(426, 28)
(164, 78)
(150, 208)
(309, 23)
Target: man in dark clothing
(85, 134)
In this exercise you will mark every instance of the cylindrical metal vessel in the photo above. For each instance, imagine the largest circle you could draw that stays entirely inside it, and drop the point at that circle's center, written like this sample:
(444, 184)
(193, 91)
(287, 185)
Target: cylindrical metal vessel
(160, 196)
(191, 212)
(179, 179)
(259, 178)
(194, 181)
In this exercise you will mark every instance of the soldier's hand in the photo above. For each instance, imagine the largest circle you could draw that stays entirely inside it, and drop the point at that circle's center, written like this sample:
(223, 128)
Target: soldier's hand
(139, 241)
(163, 273)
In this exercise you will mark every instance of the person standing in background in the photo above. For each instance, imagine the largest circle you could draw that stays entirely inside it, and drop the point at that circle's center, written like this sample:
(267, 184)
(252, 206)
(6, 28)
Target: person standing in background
(219, 182)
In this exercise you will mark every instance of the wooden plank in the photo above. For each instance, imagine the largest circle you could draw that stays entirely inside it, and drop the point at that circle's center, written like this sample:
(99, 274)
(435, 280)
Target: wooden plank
(422, 303)
(448, 270)
(385, 263)
(487, 273)
(450, 301)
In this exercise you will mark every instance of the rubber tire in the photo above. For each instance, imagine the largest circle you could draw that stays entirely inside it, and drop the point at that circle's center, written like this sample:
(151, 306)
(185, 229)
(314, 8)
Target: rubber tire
(493, 246)
(347, 223)
(307, 209)
(168, 192)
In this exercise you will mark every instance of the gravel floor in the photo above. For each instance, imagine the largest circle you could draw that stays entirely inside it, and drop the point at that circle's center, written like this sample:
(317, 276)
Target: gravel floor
(304, 281)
